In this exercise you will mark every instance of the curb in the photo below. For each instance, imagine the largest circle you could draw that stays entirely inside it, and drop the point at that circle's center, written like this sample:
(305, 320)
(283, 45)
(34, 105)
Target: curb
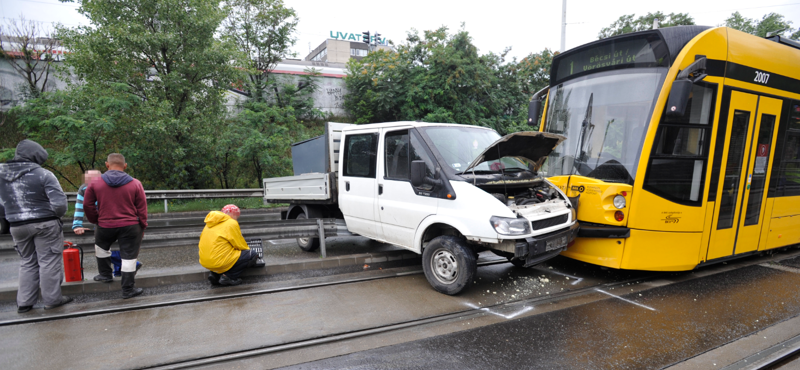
(90, 286)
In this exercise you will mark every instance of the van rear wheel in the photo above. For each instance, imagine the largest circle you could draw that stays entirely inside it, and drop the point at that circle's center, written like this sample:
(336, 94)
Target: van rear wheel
(449, 264)
(306, 244)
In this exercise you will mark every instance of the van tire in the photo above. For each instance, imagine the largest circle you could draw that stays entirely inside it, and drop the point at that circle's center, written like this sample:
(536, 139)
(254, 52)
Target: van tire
(449, 264)
(306, 244)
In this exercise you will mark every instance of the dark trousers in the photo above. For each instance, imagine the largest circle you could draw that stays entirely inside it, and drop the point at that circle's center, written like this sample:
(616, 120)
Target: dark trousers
(246, 259)
(128, 237)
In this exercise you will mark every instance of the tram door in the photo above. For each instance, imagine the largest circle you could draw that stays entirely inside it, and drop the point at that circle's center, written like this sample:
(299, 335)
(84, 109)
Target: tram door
(744, 174)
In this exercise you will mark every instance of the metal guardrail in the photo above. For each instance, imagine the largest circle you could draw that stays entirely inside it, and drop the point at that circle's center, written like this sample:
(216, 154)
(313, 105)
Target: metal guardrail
(266, 230)
(191, 194)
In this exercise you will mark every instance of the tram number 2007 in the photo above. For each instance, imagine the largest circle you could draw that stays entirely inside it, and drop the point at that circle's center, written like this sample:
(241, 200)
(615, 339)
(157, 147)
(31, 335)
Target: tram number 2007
(761, 77)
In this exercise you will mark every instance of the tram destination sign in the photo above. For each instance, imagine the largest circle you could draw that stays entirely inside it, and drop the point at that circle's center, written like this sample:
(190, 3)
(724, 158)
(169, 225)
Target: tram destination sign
(640, 52)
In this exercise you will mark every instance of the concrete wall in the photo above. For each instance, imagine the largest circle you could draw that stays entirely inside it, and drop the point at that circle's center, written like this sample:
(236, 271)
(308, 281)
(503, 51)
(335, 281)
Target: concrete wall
(11, 83)
(329, 97)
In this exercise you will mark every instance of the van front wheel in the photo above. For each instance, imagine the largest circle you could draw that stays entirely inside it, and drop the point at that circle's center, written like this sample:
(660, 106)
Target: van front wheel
(449, 264)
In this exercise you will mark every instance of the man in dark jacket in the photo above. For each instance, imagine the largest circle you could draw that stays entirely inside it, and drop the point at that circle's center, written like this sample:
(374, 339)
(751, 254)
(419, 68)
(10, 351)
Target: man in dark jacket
(118, 207)
(32, 201)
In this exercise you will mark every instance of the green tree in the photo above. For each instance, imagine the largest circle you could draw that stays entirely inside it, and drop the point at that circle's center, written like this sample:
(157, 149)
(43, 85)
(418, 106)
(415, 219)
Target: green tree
(80, 123)
(627, 23)
(262, 30)
(436, 77)
(165, 52)
(770, 24)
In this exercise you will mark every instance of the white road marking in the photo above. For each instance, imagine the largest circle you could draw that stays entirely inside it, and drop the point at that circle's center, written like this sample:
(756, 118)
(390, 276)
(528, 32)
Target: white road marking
(577, 279)
(626, 300)
(507, 317)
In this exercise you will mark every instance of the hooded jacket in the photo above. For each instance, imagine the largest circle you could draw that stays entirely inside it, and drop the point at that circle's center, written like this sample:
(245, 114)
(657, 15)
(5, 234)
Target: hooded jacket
(221, 242)
(28, 192)
(120, 201)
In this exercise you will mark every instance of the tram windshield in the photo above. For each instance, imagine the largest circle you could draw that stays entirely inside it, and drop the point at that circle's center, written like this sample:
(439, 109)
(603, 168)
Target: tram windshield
(604, 117)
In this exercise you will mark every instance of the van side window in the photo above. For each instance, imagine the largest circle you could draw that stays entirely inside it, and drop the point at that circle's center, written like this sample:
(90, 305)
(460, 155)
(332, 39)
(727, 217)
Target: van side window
(400, 148)
(396, 163)
(789, 174)
(360, 155)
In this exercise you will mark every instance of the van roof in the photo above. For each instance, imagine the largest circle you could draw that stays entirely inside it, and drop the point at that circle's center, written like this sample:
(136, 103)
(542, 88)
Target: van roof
(371, 126)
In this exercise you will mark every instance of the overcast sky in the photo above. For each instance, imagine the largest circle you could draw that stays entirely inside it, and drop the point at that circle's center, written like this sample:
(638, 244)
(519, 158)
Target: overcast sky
(526, 26)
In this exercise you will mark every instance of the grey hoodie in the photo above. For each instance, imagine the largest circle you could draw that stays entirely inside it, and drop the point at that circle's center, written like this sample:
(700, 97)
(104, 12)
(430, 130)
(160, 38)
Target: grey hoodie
(28, 192)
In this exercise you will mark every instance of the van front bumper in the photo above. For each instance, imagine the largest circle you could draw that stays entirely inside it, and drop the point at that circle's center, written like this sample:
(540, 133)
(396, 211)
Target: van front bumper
(535, 250)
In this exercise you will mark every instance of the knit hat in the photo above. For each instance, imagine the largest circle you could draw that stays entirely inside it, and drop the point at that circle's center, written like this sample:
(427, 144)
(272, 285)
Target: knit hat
(231, 210)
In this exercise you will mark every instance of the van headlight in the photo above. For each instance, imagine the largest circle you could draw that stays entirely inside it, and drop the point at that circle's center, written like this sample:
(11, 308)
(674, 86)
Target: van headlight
(511, 226)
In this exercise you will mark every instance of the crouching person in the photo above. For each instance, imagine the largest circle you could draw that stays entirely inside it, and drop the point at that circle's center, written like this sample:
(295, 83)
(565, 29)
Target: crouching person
(223, 249)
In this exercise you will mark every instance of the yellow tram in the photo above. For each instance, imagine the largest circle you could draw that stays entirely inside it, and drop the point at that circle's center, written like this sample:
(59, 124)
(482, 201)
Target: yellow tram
(683, 145)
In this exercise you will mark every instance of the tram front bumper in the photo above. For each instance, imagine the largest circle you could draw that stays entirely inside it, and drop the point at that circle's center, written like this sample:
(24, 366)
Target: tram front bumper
(535, 250)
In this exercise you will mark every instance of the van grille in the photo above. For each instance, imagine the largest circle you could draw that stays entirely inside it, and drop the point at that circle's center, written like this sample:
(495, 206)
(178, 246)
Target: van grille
(548, 222)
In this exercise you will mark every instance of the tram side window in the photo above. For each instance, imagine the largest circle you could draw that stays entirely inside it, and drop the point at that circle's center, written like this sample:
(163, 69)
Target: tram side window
(680, 150)
(789, 176)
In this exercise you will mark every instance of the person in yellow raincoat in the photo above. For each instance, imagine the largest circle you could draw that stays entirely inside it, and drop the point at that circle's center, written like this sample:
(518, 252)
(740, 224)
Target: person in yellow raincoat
(223, 249)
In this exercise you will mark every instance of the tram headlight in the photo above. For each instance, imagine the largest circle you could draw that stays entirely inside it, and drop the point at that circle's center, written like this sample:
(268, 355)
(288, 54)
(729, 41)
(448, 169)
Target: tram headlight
(511, 226)
(619, 202)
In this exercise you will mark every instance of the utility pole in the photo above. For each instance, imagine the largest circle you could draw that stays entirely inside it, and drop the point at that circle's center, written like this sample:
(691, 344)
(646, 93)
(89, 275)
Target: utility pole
(563, 25)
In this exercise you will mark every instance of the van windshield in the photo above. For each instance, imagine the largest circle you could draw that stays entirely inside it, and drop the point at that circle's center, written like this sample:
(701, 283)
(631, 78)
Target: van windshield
(458, 147)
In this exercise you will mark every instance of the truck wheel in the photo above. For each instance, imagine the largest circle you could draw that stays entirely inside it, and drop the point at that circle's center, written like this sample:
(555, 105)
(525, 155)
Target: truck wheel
(449, 264)
(306, 244)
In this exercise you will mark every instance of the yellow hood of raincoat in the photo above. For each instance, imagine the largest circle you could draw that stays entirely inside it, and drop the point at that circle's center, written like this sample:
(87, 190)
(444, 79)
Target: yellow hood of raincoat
(220, 242)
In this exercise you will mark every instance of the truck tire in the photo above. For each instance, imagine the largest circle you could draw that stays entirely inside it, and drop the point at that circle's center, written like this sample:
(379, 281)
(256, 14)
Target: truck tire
(306, 244)
(449, 264)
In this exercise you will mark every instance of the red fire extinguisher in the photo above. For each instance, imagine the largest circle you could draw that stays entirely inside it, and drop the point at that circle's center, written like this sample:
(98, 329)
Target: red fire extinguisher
(73, 262)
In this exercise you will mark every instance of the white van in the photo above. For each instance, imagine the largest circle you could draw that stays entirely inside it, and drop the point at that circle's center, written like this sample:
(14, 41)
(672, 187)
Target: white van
(446, 191)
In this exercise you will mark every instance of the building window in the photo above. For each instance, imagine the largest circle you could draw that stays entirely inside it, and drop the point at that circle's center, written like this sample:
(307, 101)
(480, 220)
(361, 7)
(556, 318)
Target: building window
(320, 55)
(358, 52)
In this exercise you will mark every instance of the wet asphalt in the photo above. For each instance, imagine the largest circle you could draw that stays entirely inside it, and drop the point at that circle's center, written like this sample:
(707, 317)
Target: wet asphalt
(651, 329)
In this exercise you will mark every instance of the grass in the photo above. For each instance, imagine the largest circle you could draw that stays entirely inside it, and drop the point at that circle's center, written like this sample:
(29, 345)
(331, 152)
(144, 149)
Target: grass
(188, 205)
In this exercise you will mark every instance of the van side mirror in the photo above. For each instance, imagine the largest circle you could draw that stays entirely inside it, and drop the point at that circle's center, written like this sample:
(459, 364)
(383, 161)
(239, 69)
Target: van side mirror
(417, 173)
(534, 107)
(679, 97)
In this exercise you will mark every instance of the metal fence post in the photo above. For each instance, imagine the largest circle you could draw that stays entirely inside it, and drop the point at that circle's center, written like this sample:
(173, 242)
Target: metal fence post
(322, 237)
(165, 206)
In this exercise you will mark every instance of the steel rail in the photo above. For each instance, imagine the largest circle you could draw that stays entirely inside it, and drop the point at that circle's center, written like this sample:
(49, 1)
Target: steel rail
(178, 302)
(769, 357)
(468, 313)
(231, 356)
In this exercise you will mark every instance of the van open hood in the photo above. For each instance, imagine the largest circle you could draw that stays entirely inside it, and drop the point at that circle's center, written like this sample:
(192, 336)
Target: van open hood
(532, 146)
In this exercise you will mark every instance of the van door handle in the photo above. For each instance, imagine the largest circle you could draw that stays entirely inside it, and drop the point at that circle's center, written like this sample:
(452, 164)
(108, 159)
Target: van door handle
(380, 189)
(347, 185)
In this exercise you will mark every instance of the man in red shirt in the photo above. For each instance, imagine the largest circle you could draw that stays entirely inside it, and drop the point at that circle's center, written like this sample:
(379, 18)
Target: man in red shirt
(120, 215)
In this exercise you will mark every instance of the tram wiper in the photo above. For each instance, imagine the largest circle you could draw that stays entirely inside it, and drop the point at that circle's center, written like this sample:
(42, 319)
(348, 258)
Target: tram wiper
(586, 130)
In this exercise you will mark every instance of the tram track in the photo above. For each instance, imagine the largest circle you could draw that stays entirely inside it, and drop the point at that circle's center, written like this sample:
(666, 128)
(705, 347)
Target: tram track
(472, 312)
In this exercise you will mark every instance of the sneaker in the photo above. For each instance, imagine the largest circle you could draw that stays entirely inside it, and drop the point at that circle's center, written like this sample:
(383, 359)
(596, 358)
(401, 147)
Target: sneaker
(135, 292)
(213, 279)
(224, 280)
(103, 278)
(64, 300)
(23, 309)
